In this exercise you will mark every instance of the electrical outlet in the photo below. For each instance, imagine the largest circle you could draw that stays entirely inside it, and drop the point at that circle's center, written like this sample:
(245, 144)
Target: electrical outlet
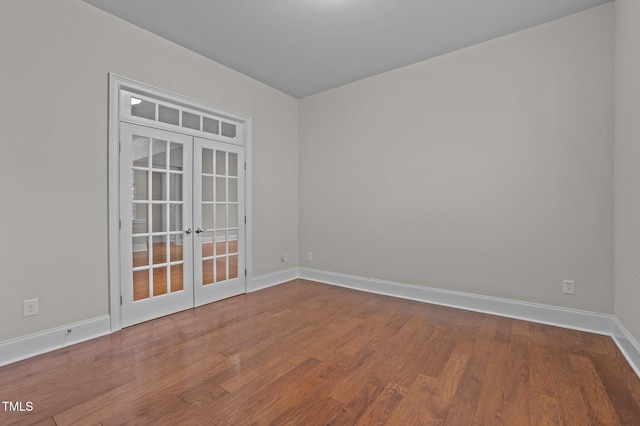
(284, 258)
(568, 287)
(30, 307)
(309, 255)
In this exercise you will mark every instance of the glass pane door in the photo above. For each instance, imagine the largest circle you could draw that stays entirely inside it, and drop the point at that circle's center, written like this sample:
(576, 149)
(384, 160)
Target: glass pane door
(155, 211)
(219, 220)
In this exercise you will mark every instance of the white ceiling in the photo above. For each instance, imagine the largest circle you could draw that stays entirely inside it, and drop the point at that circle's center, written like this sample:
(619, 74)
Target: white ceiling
(303, 47)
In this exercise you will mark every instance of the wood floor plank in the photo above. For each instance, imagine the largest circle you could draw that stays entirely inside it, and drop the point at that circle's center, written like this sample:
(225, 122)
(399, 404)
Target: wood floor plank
(558, 345)
(327, 341)
(50, 422)
(148, 384)
(309, 353)
(570, 341)
(353, 410)
(515, 415)
(428, 399)
(517, 390)
(420, 405)
(464, 404)
(406, 355)
(544, 406)
(309, 411)
(206, 392)
(599, 344)
(385, 324)
(544, 409)
(380, 410)
(624, 371)
(491, 401)
(504, 330)
(541, 372)
(149, 413)
(354, 378)
(599, 407)
(520, 328)
(308, 393)
(256, 377)
(449, 381)
(626, 407)
(243, 409)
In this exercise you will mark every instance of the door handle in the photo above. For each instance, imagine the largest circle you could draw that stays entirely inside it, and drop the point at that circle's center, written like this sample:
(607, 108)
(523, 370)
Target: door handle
(187, 231)
(198, 230)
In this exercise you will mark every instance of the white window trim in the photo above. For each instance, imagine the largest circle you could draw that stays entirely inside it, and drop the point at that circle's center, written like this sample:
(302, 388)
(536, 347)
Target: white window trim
(117, 84)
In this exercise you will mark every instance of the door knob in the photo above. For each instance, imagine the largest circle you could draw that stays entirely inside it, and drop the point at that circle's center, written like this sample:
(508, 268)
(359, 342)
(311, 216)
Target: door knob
(198, 231)
(187, 231)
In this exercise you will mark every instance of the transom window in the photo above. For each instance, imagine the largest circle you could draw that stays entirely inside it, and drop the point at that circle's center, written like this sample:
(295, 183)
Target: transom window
(140, 108)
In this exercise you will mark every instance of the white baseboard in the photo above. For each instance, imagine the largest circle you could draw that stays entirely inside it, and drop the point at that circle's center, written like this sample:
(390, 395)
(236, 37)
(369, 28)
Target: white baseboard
(274, 278)
(544, 314)
(38, 343)
(627, 344)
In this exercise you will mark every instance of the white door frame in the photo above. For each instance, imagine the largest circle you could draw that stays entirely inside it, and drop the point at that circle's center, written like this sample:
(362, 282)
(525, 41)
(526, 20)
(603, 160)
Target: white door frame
(117, 85)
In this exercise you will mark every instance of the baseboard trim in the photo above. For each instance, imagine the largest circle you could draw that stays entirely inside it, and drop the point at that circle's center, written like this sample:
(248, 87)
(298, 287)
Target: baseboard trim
(274, 278)
(544, 314)
(24, 347)
(629, 347)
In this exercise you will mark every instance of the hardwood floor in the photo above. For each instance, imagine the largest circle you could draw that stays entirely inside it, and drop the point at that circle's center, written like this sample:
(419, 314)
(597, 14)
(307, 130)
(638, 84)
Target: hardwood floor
(305, 353)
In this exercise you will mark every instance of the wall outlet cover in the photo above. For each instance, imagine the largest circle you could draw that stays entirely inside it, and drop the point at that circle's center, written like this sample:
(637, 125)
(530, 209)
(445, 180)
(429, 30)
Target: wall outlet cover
(30, 307)
(568, 287)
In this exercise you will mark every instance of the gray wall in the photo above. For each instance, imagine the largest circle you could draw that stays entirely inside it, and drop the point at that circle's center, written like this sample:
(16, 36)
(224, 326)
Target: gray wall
(53, 140)
(488, 170)
(627, 165)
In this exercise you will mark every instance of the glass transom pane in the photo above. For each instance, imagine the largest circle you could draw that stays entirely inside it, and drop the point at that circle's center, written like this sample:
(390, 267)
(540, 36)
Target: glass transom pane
(228, 130)
(168, 115)
(191, 121)
(210, 125)
(142, 108)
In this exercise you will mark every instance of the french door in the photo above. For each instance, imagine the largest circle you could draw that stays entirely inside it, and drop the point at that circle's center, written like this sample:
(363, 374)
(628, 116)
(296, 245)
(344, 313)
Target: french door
(182, 222)
(218, 192)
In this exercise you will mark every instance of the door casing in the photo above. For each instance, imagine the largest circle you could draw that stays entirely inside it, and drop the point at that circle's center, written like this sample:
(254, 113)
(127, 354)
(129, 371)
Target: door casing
(118, 84)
